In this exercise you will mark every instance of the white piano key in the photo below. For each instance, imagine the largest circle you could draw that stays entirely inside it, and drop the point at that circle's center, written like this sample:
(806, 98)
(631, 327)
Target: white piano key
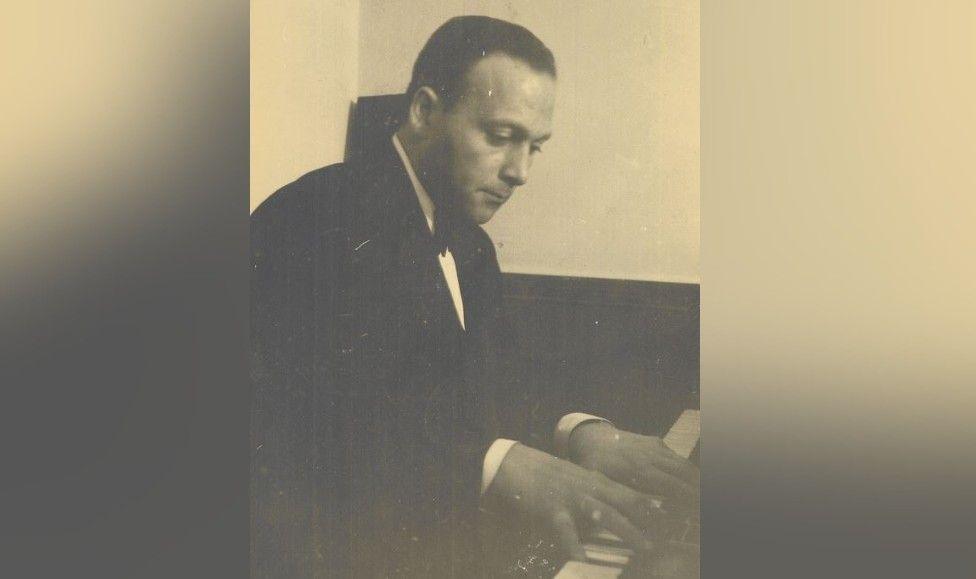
(600, 556)
(685, 433)
(578, 570)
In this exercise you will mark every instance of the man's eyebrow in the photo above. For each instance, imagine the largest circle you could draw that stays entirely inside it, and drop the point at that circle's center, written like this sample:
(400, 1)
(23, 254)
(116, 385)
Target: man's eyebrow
(513, 126)
(517, 129)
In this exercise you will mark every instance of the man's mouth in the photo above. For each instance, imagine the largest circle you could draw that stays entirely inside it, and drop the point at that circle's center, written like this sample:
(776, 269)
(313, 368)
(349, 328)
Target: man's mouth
(498, 197)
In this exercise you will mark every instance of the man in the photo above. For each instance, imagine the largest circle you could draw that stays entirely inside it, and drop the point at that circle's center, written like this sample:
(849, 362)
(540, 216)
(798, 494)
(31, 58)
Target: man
(384, 420)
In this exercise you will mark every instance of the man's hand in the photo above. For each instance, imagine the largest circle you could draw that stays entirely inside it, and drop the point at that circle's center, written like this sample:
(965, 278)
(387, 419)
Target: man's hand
(565, 498)
(641, 462)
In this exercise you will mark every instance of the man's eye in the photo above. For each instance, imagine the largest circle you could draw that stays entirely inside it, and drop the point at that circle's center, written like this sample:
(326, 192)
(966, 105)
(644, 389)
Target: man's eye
(499, 138)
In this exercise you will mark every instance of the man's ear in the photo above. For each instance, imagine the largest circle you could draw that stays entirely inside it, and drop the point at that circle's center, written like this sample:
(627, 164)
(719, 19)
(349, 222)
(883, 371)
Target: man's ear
(424, 106)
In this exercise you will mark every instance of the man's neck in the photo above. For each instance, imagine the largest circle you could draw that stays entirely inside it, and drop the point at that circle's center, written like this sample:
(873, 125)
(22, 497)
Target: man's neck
(426, 201)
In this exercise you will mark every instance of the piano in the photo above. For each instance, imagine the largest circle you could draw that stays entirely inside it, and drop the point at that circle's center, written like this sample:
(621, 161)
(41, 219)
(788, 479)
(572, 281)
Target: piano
(609, 558)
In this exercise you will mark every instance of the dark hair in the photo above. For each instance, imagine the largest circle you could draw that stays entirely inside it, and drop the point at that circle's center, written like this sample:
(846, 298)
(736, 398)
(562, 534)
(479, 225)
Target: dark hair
(461, 42)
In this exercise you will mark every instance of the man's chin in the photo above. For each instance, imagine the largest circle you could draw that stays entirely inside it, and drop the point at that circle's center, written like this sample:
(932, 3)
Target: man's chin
(482, 215)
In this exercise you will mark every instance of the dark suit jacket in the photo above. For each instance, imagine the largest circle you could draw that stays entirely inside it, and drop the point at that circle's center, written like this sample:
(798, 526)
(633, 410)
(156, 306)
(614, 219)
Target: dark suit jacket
(372, 408)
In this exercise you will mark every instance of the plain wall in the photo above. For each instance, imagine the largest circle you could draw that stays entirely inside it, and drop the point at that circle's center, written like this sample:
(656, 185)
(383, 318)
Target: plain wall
(304, 77)
(616, 192)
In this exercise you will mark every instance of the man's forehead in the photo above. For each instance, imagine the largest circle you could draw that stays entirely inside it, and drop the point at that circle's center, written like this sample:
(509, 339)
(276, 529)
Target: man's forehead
(502, 86)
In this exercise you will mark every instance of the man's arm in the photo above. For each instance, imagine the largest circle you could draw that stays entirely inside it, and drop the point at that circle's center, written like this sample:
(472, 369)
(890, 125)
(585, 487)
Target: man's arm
(538, 487)
(641, 462)
(286, 416)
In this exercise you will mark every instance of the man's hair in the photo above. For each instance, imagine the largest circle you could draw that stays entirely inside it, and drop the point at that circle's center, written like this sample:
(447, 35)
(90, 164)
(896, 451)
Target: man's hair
(454, 48)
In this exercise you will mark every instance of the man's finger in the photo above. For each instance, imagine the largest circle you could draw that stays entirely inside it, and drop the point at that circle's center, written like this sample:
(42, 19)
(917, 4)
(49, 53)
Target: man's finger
(636, 506)
(568, 536)
(604, 516)
(655, 481)
(677, 466)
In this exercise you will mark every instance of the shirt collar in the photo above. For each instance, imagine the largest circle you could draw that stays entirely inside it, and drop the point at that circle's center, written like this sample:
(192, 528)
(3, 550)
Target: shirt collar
(426, 203)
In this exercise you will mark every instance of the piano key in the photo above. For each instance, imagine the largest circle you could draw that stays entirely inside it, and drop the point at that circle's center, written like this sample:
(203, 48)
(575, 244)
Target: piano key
(602, 556)
(605, 537)
(578, 570)
(685, 433)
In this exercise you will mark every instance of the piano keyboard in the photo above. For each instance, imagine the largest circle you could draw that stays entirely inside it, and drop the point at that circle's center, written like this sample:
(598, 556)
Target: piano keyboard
(607, 556)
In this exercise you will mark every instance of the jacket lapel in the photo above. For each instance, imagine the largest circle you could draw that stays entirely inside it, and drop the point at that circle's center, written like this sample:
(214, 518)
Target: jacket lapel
(391, 256)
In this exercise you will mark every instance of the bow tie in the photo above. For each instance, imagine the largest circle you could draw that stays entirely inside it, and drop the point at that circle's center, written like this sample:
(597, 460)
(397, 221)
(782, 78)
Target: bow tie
(443, 233)
(440, 240)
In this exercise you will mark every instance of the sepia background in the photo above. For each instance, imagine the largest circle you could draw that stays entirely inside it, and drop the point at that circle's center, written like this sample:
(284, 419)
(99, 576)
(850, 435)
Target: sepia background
(837, 298)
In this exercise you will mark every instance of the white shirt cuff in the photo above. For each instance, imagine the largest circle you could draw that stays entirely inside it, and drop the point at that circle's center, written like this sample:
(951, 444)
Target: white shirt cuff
(565, 426)
(493, 461)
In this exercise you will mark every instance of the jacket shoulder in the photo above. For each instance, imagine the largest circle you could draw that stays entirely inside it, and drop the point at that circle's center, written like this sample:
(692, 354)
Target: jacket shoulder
(287, 227)
(322, 185)
(484, 248)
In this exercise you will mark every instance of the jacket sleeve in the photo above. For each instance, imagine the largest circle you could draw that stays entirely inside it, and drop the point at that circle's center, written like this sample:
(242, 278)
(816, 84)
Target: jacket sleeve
(522, 409)
(289, 485)
(527, 409)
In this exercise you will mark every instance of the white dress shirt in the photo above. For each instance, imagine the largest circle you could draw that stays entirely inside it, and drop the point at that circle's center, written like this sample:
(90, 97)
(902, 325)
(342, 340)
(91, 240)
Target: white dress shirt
(498, 449)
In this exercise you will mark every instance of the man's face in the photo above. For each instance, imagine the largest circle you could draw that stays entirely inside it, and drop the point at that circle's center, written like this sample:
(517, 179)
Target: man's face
(485, 144)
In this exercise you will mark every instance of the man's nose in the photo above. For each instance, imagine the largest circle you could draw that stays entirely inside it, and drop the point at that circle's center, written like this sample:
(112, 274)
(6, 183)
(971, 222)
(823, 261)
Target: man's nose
(515, 172)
